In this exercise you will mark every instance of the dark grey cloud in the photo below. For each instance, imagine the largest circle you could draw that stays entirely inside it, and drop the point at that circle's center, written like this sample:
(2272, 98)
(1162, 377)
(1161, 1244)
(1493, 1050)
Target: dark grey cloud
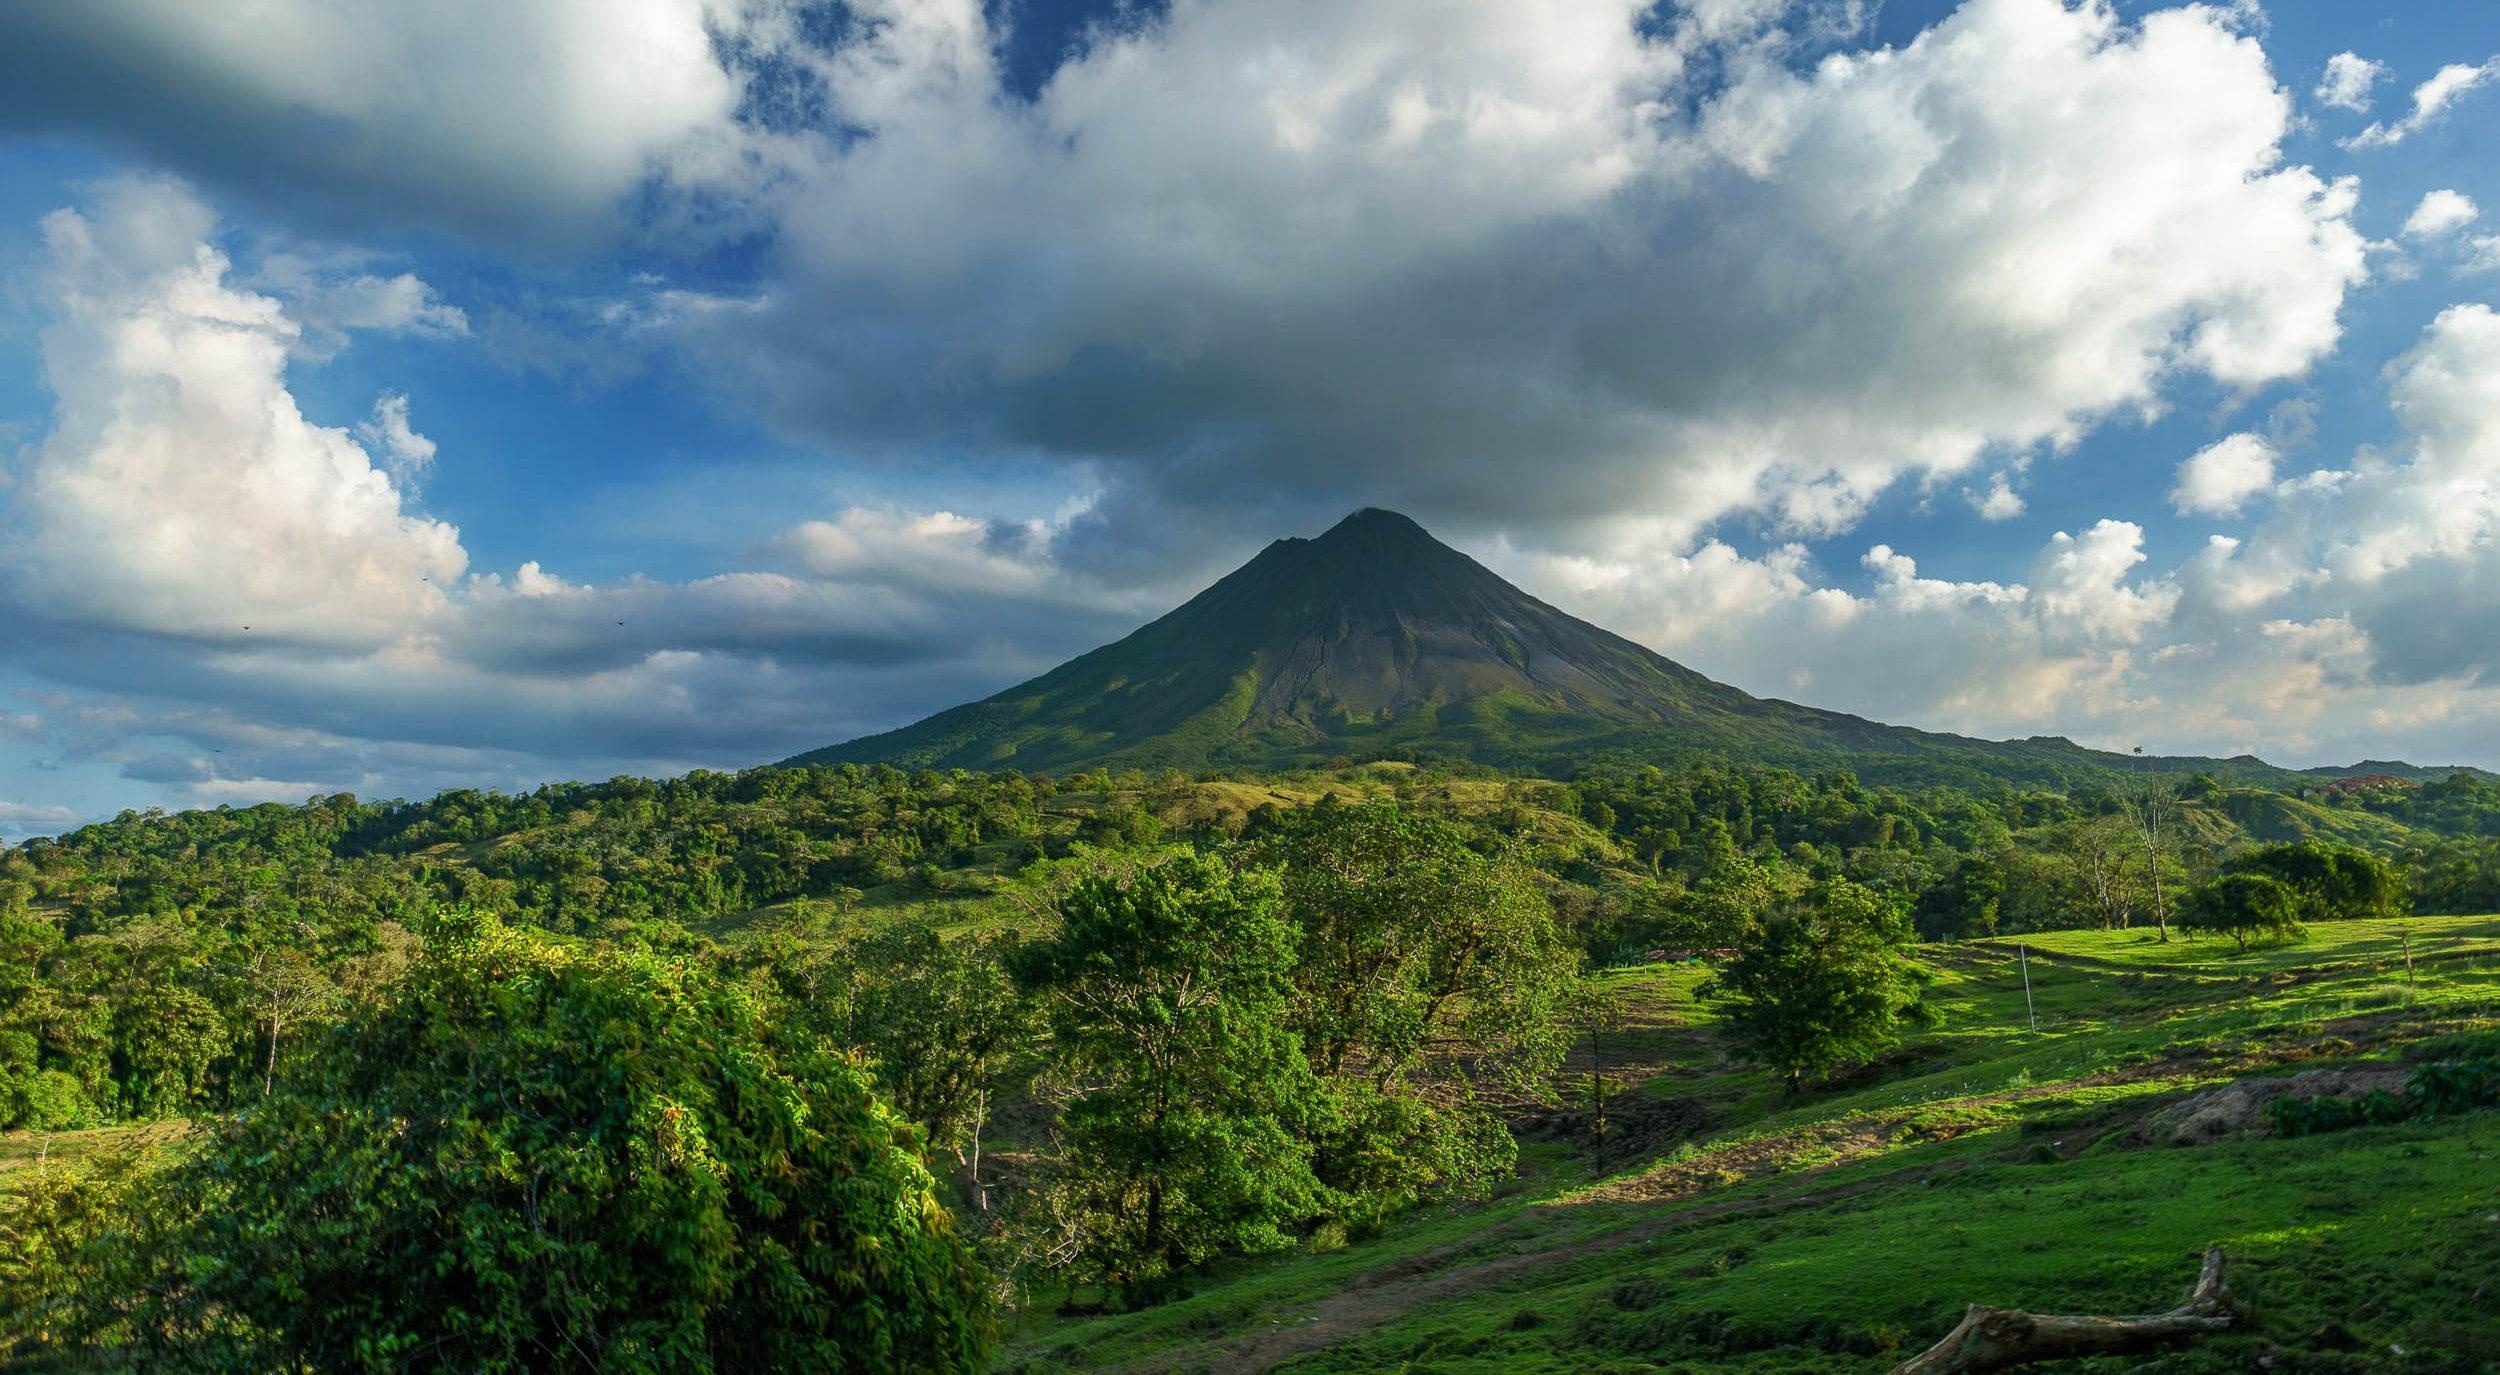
(529, 123)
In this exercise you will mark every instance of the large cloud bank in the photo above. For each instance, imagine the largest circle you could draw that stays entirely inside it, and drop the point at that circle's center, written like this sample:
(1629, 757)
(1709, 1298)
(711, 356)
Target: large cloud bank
(1583, 283)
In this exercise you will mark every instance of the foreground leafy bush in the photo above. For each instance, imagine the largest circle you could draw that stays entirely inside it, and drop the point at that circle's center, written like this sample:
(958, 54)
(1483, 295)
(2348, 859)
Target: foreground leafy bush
(528, 1156)
(2445, 1087)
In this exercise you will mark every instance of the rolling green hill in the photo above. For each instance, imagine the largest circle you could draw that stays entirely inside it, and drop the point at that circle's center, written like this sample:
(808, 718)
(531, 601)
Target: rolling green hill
(1377, 641)
(1734, 1229)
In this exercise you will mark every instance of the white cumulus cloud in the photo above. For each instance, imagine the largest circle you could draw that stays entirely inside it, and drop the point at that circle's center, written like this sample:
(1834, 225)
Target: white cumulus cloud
(182, 491)
(405, 452)
(2220, 478)
(1517, 265)
(1999, 502)
(2431, 99)
(2347, 82)
(2439, 213)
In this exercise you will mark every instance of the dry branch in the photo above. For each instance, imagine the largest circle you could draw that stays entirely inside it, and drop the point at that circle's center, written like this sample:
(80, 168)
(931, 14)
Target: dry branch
(2001, 1338)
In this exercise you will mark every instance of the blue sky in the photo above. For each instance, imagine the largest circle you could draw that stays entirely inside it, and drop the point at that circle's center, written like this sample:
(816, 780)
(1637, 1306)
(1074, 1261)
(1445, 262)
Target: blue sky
(560, 389)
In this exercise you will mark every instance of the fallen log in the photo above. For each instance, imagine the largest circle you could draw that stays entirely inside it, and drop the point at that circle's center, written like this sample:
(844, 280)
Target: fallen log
(2001, 1338)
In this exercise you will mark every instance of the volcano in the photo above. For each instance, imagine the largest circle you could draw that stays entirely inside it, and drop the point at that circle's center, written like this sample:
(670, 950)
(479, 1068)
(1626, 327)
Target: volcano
(1377, 641)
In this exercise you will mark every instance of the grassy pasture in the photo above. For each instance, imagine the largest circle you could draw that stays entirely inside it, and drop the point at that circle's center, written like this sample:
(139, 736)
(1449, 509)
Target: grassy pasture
(1985, 1161)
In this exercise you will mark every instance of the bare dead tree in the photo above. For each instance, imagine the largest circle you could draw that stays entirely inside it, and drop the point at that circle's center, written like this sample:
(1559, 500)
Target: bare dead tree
(1600, 1016)
(288, 988)
(2150, 807)
(2001, 1338)
(2098, 849)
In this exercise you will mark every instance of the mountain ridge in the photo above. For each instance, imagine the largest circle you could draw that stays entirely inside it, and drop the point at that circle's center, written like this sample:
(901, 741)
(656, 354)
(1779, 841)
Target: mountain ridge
(1374, 640)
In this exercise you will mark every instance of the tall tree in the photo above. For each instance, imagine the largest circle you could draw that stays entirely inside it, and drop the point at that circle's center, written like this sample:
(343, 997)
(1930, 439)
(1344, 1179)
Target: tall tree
(1431, 972)
(2245, 907)
(1187, 1103)
(2097, 848)
(942, 1023)
(2152, 805)
(1819, 983)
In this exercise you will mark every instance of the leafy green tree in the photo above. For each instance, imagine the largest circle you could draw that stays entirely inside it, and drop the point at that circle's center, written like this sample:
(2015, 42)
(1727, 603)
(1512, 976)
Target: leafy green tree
(528, 1156)
(2152, 808)
(1966, 903)
(2329, 882)
(1188, 1102)
(1819, 983)
(2097, 849)
(2246, 907)
(943, 1025)
(1430, 972)
(167, 1037)
(34, 1097)
(1718, 912)
(2454, 875)
(83, 1251)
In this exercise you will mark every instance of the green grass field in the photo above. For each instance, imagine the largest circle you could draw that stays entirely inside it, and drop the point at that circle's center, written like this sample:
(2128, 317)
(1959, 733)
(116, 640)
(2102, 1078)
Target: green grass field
(1987, 1160)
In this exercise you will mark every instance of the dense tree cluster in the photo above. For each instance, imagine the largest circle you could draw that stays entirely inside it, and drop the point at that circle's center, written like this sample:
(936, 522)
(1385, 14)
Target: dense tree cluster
(157, 964)
(163, 964)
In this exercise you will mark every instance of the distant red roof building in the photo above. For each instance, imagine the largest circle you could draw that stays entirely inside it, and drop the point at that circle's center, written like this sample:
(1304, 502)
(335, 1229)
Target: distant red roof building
(2368, 780)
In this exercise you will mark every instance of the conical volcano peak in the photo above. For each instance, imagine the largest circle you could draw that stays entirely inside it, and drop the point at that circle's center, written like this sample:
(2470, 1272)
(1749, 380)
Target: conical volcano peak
(1372, 633)
(1382, 534)
(1377, 521)
(1371, 555)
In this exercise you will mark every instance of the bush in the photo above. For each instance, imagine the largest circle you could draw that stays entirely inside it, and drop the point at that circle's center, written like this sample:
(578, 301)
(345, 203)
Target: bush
(1819, 984)
(527, 1156)
(2310, 1116)
(49, 1100)
(2443, 1087)
(2439, 1088)
(2327, 881)
(2246, 907)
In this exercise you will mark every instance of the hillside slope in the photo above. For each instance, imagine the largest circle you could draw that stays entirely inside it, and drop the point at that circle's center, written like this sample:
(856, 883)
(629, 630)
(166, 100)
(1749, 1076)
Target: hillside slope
(1376, 640)
(1738, 1230)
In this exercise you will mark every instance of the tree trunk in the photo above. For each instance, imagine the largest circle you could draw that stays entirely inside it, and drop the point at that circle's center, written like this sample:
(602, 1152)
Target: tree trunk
(1154, 1222)
(1597, 1090)
(2161, 912)
(1991, 1339)
(980, 1117)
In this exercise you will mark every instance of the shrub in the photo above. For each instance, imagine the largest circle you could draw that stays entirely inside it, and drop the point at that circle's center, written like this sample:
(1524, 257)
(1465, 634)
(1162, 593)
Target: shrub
(2443, 1087)
(2436, 1089)
(2246, 907)
(2310, 1116)
(527, 1156)
(1819, 984)
(50, 1100)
